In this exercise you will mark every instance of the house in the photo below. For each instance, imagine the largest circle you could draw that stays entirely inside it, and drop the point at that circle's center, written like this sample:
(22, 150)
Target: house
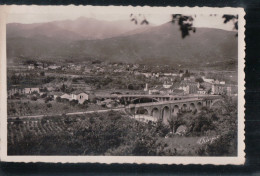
(13, 91)
(167, 85)
(31, 90)
(222, 82)
(177, 92)
(189, 87)
(146, 87)
(53, 67)
(31, 67)
(79, 95)
(153, 92)
(221, 89)
(147, 75)
(56, 94)
(201, 91)
(212, 81)
(66, 96)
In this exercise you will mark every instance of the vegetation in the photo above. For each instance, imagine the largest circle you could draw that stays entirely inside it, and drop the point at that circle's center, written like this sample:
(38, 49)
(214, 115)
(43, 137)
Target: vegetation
(113, 133)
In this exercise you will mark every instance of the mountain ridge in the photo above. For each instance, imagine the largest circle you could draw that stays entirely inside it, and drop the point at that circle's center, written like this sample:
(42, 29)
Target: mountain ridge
(155, 45)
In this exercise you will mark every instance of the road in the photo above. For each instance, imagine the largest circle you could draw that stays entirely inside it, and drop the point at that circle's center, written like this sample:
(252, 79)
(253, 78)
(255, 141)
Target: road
(71, 113)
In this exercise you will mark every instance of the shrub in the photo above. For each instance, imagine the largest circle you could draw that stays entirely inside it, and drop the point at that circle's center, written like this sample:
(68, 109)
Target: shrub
(58, 99)
(47, 99)
(34, 98)
(74, 102)
(43, 95)
(49, 105)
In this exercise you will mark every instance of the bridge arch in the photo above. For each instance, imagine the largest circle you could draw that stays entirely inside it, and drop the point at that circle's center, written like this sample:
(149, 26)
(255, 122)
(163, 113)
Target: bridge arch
(142, 111)
(192, 107)
(166, 113)
(216, 103)
(132, 110)
(175, 110)
(184, 107)
(155, 113)
(199, 105)
(143, 100)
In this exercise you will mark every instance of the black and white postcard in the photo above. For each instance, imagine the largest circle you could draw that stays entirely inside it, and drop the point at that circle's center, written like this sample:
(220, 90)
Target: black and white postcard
(122, 84)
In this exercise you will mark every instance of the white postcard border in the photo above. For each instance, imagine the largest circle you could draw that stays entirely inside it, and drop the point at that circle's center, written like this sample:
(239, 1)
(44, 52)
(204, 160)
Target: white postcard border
(239, 159)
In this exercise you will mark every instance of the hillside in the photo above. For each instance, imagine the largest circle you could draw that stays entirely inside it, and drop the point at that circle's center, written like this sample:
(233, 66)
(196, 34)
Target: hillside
(78, 29)
(155, 45)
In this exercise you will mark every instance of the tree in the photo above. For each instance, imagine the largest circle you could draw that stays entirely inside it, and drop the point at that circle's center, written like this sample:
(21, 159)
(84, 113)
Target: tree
(130, 87)
(34, 98)
(199, 80)
(74, 102)
(42, 73)
(49, 105)
(58, 99)
(63, 88)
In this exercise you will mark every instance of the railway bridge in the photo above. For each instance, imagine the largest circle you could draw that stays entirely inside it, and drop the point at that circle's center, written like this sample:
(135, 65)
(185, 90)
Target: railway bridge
(166, 109)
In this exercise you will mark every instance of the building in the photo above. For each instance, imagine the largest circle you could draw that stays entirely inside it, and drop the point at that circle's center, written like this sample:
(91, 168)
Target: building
(189, 87)
(177, 92)
(167, 85)
(31, 90)
(53, 67)
(81, 96)
(153, 92)
(146, 87)
(223, 89)
(66, 96)
(13, 91)
(56, 94)
(31, 67)
(201, 91)
(211, 81)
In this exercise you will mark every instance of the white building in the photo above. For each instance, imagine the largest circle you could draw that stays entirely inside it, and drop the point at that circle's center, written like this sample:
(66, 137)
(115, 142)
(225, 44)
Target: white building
(31, 90)
(66, 96)
(167, 85)
(31, 67)
(81, 96)
(146, 87)
(211, 81)
(201, 91)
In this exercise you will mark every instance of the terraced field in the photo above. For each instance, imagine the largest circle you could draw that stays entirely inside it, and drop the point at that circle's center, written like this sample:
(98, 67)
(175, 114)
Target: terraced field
(17, 128)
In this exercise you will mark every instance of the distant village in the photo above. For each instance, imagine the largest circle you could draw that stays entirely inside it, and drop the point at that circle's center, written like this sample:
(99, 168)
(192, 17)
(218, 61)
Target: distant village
(82, 83)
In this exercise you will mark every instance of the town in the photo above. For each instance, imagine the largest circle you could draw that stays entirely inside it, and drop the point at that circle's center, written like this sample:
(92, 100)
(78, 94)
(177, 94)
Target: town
(38, 87)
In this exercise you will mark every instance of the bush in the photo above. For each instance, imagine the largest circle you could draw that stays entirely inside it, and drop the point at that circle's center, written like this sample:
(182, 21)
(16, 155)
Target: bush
(34, 98)
(49, 105)
(47, 99)
(43, 95)
(58, 99)
(74, 102)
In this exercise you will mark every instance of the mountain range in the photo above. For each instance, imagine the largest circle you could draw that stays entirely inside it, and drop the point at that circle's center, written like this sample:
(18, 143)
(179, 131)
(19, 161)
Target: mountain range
(123, 41)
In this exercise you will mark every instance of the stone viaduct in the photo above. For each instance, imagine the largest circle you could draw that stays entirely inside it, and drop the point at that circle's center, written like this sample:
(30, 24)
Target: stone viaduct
(165, 109)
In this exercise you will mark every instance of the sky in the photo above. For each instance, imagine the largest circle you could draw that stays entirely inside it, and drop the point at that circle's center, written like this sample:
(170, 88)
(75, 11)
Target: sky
(156, 16)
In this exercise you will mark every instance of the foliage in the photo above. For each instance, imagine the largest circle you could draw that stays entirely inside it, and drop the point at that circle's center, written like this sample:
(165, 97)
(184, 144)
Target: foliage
(34, 98)
(112, 133)
(185, 23)
(49, 105)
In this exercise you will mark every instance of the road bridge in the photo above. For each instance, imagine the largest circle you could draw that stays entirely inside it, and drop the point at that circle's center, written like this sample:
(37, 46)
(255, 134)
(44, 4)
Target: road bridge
(145, 98)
